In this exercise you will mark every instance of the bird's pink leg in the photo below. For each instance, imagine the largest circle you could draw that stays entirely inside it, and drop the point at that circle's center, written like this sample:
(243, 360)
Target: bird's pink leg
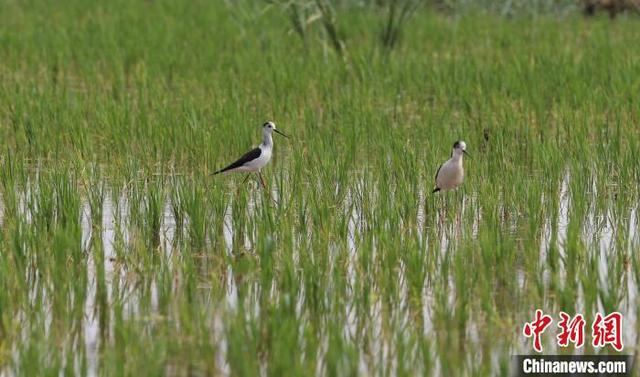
(243, 182)
(262, 181)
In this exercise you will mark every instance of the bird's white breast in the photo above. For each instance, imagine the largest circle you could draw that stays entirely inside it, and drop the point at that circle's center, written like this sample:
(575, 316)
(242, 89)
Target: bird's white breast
(451, 175)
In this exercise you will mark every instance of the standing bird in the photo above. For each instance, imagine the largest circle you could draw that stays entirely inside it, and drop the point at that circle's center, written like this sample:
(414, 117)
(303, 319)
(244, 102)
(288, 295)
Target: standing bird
(451, 174)
(257, 158)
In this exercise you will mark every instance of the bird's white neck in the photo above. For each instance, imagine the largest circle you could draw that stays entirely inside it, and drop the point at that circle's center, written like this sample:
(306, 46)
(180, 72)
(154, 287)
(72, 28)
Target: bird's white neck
(267, 141)
(456, 157)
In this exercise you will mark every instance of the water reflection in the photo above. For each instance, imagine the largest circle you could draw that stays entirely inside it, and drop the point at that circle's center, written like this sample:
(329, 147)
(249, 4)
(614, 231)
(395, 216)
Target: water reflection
(107, 268)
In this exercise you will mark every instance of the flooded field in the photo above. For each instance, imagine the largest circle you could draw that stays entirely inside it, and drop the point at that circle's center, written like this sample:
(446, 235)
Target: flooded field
(163, 268)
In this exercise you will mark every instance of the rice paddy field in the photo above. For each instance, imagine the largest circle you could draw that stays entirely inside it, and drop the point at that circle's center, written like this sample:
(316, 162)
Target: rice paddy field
(120, 253)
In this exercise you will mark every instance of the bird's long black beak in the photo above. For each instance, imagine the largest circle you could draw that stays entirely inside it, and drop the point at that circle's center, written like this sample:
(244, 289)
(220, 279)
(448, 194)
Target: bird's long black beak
(467, 154)
(278, 132)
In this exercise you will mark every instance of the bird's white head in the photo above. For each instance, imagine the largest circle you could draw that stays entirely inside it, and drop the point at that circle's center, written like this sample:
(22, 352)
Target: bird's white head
(267, 129)
(459, 148)
(270, 127)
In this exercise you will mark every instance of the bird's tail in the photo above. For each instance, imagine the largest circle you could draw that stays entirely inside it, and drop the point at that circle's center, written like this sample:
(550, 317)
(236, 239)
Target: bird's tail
(435, 190)
(218, 172)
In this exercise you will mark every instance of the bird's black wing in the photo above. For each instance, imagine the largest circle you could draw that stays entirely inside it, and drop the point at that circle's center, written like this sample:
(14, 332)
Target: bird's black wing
(436, 179)
(251, 155)
(440, 167)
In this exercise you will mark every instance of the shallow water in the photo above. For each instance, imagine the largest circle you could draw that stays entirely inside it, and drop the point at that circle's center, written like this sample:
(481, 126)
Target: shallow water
(366, 328)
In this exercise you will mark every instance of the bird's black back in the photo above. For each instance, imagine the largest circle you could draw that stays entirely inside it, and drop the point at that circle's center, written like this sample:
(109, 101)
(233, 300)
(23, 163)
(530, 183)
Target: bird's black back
(249, 156)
